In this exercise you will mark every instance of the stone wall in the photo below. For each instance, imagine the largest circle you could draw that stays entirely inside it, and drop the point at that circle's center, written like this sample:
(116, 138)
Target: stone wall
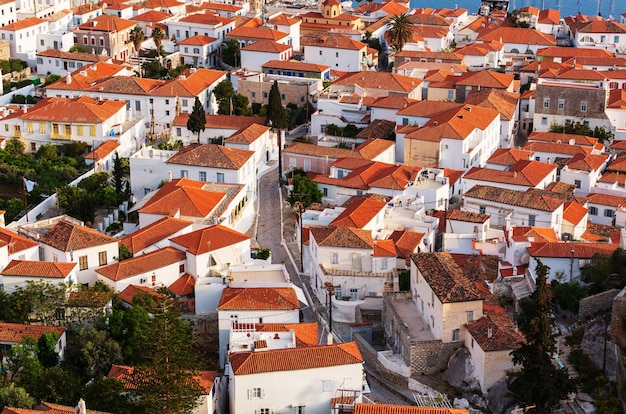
(617, 325)
(370, 355)
(430, 357)
(595, 98)
(596, 303)
(396, 334)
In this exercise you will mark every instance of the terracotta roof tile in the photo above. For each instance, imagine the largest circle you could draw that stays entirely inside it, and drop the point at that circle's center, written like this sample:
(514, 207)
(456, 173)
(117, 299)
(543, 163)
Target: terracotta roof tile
(14, 332)
(486, 79)
(460, 215)
(209, 239)
(590, 162)
(561, 149)
(582, 250)
(373, 146)
(23, 24)
(406, 242)
(606, 199)
(212, 156)
(613, 177)
(153, 233)
(549, 16)
(142, 264)
(66, 236)
(132, 377)
(184, 195)
(106, 23)
(248, 134)
(31, 268)
(106, 148)
(386, 81)
(128, 294)
(574, 212)
(45, 407)
(306, 333)
(234, 122)
(445, 277)
(183, 286)
(457, 123)
(573, 52)
(535, 233)
(560, 138)
(384, 248)
(343, 237)
(362, 408)
(82, 109)
(80, 56)
(293, 359)
(14, 241)
(152, 16)
(258, 298)
(478, 267)
(256, 33)
(367, 174)
(502, 101)
(526, 199)
(360, 212)
(313, 150)
(295, 65)
(516, 35)
(209, 19)
(198, 40)
(509, 156)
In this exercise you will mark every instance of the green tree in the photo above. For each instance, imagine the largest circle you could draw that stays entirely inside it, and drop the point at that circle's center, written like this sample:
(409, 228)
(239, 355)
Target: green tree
(224, 93)
(197, 119)
(372, 42)
(57, 385)
(51, 79)
(77, 203)
(124, 253)
(230, 52)
(136, 36)
(400, 30)
(168, 376)
(305, 191)
(118, 176)
(276, 114)
(108, 395)
(540, 382)
(157, 36)
(77, 48)
(579, 128)
(128, 326)
(597, 272)
(15, 147)
(568, 295)
(15, 397)
(94, 182)
(107, 196)
(240, 105)
(45, 349)
(91, 354)
(23, 365)
(14, 207)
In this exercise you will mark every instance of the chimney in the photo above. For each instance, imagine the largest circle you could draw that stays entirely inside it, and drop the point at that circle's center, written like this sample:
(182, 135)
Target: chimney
(68, 79)
(25, 109)
(489, 332)
(329, 338)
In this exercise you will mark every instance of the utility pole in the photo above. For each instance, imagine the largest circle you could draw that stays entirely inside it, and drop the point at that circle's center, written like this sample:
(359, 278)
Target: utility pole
(331, 292)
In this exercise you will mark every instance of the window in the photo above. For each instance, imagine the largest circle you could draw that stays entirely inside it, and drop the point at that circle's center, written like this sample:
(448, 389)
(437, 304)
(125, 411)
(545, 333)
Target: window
(469, 316)
(33, 148)
(92, 130)
(546, 102)
(326, 386)
(102, 258)
(179, 132)
(202, 176)
(185, 102)
(531, 220)
(432, 360)
(184, 173)
(196, 50)
(29, 127)
(577, 183)
(167, 113)
(79, 130)
(456, 333)
(451, 95)
(334, 258)
(383, 263)
(307, 165)
(264, 411)
(616, 39)
(583, 106)
(561, 104)
(593, 211)
(325, 191)
(482, 209)
(55, 129)
(83, 263)
(257, 392)
(137, 105)
(320, 53)
(544, 120)
(608, 212)
(298, 409)
(220, 177)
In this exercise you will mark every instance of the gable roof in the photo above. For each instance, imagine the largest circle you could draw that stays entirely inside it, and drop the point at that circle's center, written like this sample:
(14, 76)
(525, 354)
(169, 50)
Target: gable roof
(509, 156)
(445, 277)
(14, 332)
(14, 241)
(248, 134)
(142, 264)
(66, 236)
(183, 286)
(106, 148)
(294, 359)
(184, 195)
(343, 237)
(198, 40)
(589, 162)
(362, 408)
(502, 101)
(527, 199)
(485, 79)
(457, 123)
(45, 407)
(23, 24)
(306, 333)
(386, 81)
(573, 212)
(80, 110)
(258, 298)
(406, 242)
(209, 239)
(107, 23)
(582, 250)
(516, 35)
(528, 173)
(212, 156)
(32, 268)
(152, 233)
(606, 199)
(360, 211)
(268, 46)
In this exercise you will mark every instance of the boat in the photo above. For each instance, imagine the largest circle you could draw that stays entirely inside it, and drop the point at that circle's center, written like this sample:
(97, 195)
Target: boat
(488, 6)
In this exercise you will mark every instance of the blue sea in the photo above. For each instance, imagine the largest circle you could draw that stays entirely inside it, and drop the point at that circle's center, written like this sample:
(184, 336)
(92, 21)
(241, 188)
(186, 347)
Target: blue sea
(567, 7)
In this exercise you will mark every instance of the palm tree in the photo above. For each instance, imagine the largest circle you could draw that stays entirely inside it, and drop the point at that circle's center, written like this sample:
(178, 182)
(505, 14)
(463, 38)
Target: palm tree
(137, 36)
(400, 30)
(157, 36)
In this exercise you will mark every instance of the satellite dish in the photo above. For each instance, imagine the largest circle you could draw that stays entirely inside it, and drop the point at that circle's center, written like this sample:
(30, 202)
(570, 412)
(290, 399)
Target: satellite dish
(572, 141)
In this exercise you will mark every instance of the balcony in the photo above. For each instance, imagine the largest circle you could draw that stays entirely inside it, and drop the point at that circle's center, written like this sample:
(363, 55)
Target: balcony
(59, 136)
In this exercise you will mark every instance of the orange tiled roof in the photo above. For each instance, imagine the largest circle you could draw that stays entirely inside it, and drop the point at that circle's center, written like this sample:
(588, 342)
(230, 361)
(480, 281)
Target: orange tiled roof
(516, 35)
(14, 241)
(81, 56)
(457, 123)
(142, 264)
(212, 156)
(582, 250)
(613, 177)
(268, 46)
(153, 16)
(362, 408)
(486, 79)
(23, 24)
(256, 33)
(606, 199)
(294, 359)
(31, 268)
(384, 248)
(509, 156)
(574, 212)
(184, 195)
(559, 138)
(524, 173)
(386, 81)
(258, 298)
(45, 407)
(526, 199)
(365, 174)
(153, 233)
(81, 110)
(502, 101)
(132, 377)
(445, 277)
(342, 237)
(128, 294)
(234, 122)
(373, 146)
(198, 40)
(406, 242)
(209, 19)
(11, 333)
(248, 134)
(360, 212)
(295, 65)
(589, 162)
(183, 286)
(313, 150)
(331, 40)
(306, 333)
(209, 239)
(106, 148)
(428, 109)
(573, 52)
(107, 23)
(549, 16)
(561, 149)
(538, 234)
(65, 236)
(461, 215)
